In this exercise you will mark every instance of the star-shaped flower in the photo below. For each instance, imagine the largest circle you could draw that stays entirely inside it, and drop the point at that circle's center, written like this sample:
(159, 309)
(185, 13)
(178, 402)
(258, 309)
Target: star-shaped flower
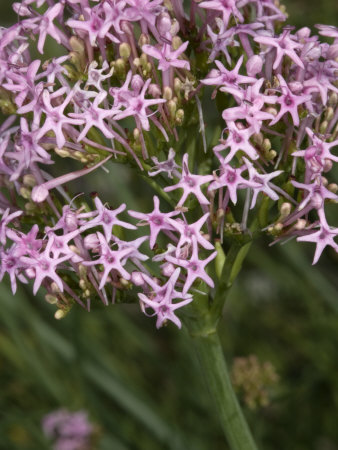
(191, 184)
(194, 266)
(111, 260)
(156, 220)
(284, 46)
(162, 301)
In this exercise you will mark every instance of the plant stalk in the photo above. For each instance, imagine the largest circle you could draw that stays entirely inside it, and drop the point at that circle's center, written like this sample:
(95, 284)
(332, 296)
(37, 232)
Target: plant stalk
(216, 374)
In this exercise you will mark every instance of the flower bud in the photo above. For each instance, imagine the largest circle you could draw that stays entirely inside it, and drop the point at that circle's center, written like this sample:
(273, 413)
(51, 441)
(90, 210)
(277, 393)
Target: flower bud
(179, 116)
(296, 87)
(62, 152)
(332, 52)
(137, 279)
(333, 99)
(172, 108)
(144, 39)
(164, 23)
(303, 33)
(167, 93)
(333, 187)
(168, 269)
(327, 165)
(136, 134)
(285, 209)
(254, 65)
(266, 145)
(25, 193)
(324, 181)
(124, 50)
(54, 288)
(323, 127)
(300, 224)
(271, 155)
(317, 201)
(120, 66)
(39, 194)
(91, 242)
(176, 42)
(51, 299)
(77, 45)
(329, 113)
(258, 138)
(137, 83)
(60, 314)
(83, 284)
(177, 86)
(29, 180)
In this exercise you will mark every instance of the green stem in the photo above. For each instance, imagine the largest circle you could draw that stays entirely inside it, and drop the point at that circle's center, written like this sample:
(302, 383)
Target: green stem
(217, 377)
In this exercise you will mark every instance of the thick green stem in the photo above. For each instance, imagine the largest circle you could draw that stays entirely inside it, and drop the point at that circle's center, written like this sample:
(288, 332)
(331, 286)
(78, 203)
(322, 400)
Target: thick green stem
(201, 319)
(217, 377)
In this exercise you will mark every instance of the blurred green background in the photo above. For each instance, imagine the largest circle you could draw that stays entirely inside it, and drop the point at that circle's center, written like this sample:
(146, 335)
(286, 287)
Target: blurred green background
(142, 387)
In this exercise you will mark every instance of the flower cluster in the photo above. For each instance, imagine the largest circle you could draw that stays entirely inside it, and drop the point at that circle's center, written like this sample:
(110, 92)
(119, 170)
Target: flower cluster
(134, 85)
(67, 430)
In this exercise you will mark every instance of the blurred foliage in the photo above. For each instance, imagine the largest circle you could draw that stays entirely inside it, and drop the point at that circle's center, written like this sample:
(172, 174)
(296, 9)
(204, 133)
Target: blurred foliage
(143, 387)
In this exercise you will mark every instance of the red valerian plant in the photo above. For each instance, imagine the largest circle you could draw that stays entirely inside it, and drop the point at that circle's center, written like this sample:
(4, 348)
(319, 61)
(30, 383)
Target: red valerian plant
(134, 86)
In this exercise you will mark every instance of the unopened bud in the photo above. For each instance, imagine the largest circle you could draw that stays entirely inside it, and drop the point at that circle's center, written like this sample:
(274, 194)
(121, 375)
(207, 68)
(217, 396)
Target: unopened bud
(333, 187)
(136, 134)
(137, 83)
(62, 152)
(168, 269)
(29, 180)
(137, 278)
(323, 127)
(271, 110)
(266, 145)
(333, 99)
(324, 181)
(124, 50)
(176, 42)
(77, 44)
(179, 116)
(60, 314)
(254, 65)
(175, 27)
(144, 39)
(304, 33)
(285, 209)
(167, 93)
(144, 59)
(278, 227)
(258, 138)
(271, 155)
(327, 165)
(332, 52)
(137, 62)
(164, 23)
(83, 284)
(120, 66)
(177, 86)
(51, 299)
(220, 213)
(300, 224)
(124, 282)
(329, 113)
(55, 288)
(82, 270)
(172, 108)
(25, 193)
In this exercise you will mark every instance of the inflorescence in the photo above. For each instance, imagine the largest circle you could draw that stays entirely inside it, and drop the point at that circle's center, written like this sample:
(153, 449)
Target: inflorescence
(135, 84)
